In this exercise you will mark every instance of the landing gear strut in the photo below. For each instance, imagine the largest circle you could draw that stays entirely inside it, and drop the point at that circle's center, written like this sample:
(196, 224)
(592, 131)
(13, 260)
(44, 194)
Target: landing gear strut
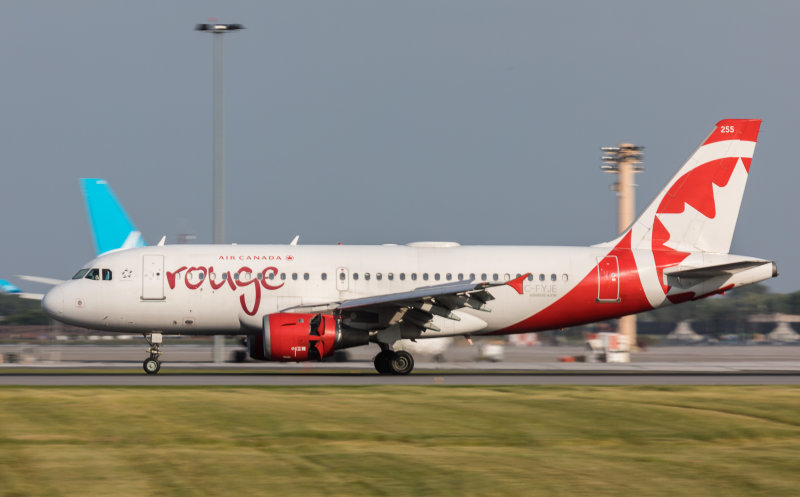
(152, 365)
(391, 362)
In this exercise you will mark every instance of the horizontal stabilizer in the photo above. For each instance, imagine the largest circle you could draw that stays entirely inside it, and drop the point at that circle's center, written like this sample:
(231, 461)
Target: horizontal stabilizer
(41, 279)
(728, 272)
(714, 271)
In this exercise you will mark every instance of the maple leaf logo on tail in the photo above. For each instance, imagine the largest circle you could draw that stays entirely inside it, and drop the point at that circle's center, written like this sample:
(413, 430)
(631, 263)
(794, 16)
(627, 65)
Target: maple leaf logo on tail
(698, 209)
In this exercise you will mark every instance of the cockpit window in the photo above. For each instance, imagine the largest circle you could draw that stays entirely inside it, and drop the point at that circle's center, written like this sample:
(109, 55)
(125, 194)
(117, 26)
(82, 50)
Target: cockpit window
(93, 274)
(80, 274)
(106, 274)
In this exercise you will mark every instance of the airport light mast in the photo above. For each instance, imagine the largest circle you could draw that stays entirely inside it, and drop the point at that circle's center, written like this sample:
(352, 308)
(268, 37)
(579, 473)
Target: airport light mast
(624, 160)
(218, 29)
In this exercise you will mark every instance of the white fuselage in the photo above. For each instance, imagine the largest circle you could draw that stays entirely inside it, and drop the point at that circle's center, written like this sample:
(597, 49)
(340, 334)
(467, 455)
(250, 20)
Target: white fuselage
(228, 289)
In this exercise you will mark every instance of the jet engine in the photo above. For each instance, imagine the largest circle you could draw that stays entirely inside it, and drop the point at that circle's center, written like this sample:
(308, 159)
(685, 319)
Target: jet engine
(301, 337)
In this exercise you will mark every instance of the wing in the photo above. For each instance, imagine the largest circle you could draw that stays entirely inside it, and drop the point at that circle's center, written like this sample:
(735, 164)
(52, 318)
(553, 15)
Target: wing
(416, 307)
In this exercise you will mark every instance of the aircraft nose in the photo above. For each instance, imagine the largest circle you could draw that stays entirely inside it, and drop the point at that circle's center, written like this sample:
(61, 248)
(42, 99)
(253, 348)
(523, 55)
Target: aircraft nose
(53, 302)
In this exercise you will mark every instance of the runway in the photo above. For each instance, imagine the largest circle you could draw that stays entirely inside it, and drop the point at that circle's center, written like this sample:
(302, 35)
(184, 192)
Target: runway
(374, 379)
(189, 365)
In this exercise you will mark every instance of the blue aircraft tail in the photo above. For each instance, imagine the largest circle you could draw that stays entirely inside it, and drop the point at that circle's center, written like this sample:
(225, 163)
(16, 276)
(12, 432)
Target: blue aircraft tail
(6, 287)
(111, 227)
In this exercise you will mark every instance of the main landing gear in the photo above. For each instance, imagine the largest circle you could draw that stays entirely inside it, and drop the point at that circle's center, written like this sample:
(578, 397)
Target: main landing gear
(152, 365)
(391, 362)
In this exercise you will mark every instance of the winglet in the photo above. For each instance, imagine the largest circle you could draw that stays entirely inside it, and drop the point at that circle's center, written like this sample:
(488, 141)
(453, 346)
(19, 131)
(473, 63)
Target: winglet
(516, 283)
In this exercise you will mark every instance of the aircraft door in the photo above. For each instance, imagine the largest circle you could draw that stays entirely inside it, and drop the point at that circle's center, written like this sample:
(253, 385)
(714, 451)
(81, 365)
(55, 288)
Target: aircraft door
(342, 278)
(608, 279)
(153, 277)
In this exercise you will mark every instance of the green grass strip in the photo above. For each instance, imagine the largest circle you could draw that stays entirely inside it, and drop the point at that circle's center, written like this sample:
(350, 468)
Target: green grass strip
(399, 441)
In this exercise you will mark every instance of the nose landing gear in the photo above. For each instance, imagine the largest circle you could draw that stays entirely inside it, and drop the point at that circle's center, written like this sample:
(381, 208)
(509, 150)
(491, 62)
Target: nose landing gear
(152, 365)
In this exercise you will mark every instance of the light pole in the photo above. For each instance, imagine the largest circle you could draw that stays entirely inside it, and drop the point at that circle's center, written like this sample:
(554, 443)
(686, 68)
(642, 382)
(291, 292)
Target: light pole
(624, 160)
(218, 29)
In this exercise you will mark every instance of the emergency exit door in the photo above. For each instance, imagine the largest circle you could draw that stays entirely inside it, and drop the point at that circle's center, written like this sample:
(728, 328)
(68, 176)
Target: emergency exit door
(608, 279)
(153, 277)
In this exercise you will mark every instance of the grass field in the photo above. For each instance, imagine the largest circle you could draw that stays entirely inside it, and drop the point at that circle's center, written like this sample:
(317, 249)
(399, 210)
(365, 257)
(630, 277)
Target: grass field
(400, 441)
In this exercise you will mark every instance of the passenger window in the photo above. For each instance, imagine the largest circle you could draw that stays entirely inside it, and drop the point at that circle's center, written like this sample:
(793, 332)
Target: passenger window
(553, 277)
(460, 276)
(414, 276)
(271, 276)
(449, 276)
(436, 276)
(80, 274)
(378, 276)
(236, 276)
(366, 276)
(93, 274)
(106, 274)
(390, 276)
(324, 276)
(342, 276)
(425, 276)
(507, 277)
(402, 276)
(530, 276)
(355, 276)
(200, 275)
(565, 277)
(259, 276)
(483, 276)
(305, 276)
(283, 276)
(224, 276)
(541, 277)
(495, 277)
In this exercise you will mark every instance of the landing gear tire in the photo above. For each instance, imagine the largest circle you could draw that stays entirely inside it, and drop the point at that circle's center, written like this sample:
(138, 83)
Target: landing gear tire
(402, 362)
(151, 366)
(383, 362)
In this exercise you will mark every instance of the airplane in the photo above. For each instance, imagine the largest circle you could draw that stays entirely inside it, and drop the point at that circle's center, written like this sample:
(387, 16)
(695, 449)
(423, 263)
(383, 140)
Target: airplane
(299, 303)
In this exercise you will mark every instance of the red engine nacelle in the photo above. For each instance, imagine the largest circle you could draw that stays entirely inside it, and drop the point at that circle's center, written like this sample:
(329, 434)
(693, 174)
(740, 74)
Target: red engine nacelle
(301, 337)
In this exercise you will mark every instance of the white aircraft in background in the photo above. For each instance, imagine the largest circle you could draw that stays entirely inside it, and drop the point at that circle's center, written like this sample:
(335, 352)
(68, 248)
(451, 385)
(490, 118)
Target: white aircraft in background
(298, 303)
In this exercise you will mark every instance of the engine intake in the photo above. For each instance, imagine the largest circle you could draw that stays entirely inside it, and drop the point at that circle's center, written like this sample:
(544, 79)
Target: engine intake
(301, 337)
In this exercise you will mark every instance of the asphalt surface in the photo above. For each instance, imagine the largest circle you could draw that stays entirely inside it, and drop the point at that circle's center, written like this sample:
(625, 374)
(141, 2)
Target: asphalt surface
(189, 365)
(375, 379)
